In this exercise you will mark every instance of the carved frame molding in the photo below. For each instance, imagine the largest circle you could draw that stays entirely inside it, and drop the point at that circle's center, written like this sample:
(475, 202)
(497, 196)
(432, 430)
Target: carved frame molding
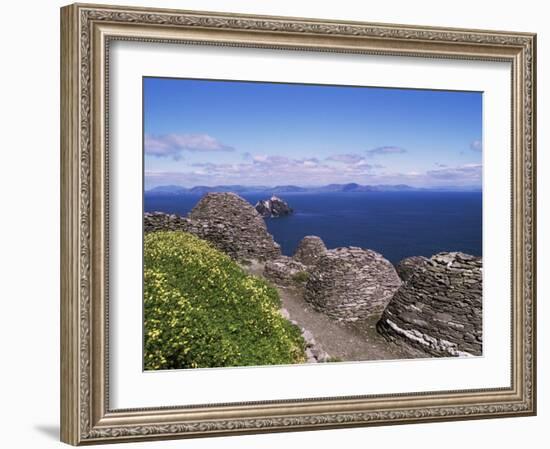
(87, 31)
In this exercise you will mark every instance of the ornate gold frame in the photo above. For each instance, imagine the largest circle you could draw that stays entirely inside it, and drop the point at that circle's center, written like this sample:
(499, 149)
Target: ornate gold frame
(86, 31)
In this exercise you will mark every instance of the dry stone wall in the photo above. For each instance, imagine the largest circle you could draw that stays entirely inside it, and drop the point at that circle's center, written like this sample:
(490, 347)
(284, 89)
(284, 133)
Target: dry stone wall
(295, 270)
(351, 283)
(159, 221)
(286, 271)
(439, 308)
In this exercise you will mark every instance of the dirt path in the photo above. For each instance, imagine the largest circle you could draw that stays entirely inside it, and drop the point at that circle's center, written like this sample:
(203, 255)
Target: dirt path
(347, 342)
(356, 342)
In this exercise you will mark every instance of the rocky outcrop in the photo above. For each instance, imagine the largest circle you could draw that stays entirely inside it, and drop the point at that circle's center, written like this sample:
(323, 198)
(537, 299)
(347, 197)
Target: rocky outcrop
(227, 221)
(351, 284)
(407, 266)
(314, 351)
(309, 250)
(273, 207)
(439, 308)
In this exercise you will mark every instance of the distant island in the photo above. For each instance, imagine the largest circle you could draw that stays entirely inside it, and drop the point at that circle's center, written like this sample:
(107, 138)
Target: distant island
(170, 190)
(273, 207)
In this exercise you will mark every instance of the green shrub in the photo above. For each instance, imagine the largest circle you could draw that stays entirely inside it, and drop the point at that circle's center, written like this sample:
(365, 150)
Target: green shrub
(202, 310)
(301, 277)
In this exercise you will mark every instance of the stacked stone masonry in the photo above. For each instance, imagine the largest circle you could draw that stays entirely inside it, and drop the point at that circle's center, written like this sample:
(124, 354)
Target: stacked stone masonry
(439, 308)
(351, 284)
(434, 304)
(309, 250)
(286, 271)
(407, 266)
(227, 221)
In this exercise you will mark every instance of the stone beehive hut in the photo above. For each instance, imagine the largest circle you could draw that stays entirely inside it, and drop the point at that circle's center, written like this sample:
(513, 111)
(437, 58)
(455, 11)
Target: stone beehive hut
(233, 226)
(351, 283)
(227, 221)
(439, 308)
(309, 250)
(407, 266)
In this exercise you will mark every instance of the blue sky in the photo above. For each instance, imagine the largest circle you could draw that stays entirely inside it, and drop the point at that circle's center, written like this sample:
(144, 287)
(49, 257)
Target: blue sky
(199, 132)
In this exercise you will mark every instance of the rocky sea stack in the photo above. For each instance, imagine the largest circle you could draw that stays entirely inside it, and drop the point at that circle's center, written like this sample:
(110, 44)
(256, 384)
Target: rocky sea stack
(273, 207)
(439, 308)
(227, 221)
(351, 283)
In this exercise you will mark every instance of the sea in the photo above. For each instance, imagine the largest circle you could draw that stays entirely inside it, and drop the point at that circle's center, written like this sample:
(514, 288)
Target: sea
(395, 224)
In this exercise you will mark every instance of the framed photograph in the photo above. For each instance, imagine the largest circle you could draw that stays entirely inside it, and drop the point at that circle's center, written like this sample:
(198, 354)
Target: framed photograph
(281, 224)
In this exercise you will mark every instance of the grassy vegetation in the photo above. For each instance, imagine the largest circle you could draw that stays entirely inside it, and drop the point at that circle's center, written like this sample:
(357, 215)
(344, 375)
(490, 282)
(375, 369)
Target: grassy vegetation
(301, 277)
(203, 310)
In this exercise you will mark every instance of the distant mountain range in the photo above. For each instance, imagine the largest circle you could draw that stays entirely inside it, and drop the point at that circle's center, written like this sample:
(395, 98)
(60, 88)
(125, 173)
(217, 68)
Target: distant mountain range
(172, 190)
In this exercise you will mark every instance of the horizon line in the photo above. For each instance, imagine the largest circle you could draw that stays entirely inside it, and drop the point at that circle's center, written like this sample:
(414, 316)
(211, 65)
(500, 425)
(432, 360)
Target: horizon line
(267, 187)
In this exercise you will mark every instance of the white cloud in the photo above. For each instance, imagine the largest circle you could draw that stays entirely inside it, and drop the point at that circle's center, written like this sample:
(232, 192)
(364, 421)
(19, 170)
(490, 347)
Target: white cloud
(173, 145)
(272, 160)
(346, 158)
(281, 170)
(386, 150)
(266, 170)
(352, 162)
(467, 172)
